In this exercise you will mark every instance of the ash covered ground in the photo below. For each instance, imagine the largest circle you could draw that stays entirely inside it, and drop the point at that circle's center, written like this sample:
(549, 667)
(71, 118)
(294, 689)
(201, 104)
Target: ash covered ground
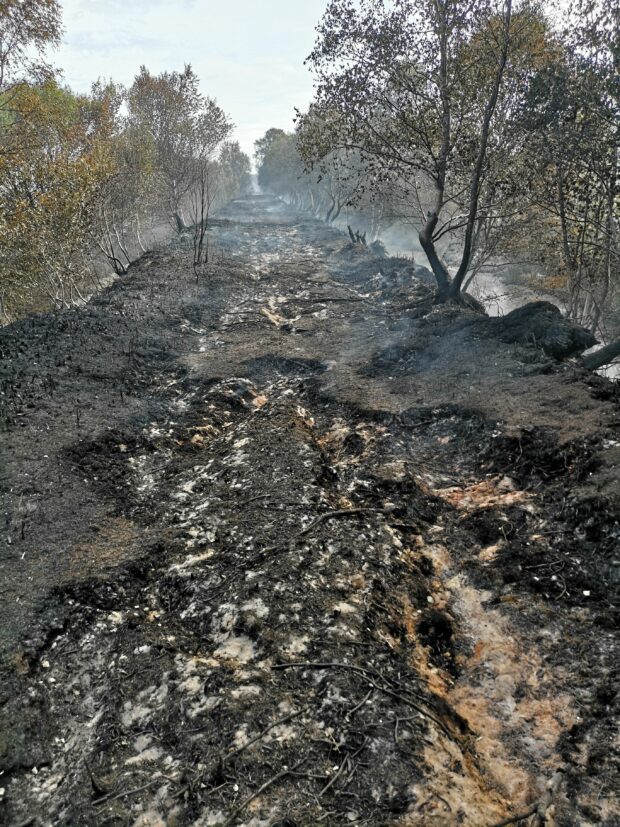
(290, 545)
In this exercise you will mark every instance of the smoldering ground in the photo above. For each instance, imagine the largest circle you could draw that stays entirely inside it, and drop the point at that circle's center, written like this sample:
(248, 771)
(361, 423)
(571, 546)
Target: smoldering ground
(291, 545)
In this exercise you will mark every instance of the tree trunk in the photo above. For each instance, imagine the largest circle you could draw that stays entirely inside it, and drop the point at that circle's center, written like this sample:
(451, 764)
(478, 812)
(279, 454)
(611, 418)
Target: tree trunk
(478, 172)
(180, 224)
(602, 357)
(428, 245)
(328, 217)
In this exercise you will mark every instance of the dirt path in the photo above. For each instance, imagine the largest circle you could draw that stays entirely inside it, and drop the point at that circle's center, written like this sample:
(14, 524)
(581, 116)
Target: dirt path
(291, 546)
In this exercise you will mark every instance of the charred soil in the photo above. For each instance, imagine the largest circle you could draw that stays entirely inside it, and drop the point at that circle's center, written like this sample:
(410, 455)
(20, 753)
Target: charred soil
(290, 545)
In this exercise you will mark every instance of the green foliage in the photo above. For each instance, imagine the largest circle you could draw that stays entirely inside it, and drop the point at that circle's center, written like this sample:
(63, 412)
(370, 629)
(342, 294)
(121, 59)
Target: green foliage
(54, 163)
(27, 29)
(183, 125)
(572, 115)
(80, 173)
(424, 92)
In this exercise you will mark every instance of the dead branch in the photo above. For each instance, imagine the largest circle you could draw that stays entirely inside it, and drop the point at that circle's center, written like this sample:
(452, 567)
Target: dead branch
(516, 819)
(111, 797)
(541, 809)
(269, 783)
(341, 512)
(602, 357)
(262, 734)
(368, 675)
(544, 806)
(336, 776)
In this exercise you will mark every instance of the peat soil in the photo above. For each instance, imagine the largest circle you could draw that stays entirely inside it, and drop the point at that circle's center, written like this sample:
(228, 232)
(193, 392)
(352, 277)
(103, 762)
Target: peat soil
(288, 545)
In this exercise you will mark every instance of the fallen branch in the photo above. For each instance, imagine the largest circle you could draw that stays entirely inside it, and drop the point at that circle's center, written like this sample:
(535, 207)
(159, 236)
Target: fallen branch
(539, 810)
(342, 512)
(111, 797)
(262, 734)
(602, 357)
(269, 783)
(328, 515)
(386, 690)
(516, 819)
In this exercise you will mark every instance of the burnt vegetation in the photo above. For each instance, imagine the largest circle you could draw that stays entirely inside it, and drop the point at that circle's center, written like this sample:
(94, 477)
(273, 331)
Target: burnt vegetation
(294, 533)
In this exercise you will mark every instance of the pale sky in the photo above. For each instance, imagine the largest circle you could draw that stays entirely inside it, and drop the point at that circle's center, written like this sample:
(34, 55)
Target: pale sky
(248, 54)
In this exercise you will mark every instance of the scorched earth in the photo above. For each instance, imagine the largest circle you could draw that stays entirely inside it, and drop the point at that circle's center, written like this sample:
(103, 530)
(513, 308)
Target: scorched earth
(291, 545)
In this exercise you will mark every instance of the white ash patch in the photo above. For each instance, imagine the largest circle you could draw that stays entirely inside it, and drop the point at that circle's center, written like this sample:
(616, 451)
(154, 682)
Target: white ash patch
(256, 607)
(142, 742)
(151, 818)
(146, 704)
(144, 481)
(238, 648)
(212, 818)
(241, 737)
(296, 645)
(149, 755)
(223, 621)
(344, 608)
(189, 562)
(245, 692)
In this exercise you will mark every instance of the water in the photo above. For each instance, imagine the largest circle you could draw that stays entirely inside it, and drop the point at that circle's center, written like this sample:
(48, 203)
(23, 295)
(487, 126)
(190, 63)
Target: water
(500, 298)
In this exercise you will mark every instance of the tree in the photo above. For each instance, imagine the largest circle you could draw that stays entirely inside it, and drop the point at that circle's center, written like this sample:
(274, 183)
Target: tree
(573, 116)
(51, 179)
(129, 195)
(183, 125)
(339, 174)
(281, 169)
(217, 181)
(263, 145)
(27, 29)
(424, 92)
(236, 170)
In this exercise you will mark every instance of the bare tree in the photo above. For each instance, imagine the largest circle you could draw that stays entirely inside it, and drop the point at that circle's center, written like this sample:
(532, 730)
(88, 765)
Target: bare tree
(424, 92)
(204, 196)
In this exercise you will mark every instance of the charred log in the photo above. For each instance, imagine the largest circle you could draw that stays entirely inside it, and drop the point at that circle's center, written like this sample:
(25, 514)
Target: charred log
(602, 357)
(357, 237)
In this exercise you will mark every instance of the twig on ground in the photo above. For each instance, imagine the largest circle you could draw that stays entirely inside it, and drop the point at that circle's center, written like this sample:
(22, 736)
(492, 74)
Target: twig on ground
(336, 776)
(341, 512)
(262, 734)
(516, 819)
(269, 783)
(328, 515)
(386, 690)
(111, 797)
(539, 810)
(352, 712)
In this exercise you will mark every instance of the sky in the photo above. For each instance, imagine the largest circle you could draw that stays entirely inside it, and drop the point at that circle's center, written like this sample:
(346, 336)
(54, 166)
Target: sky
(248, 54)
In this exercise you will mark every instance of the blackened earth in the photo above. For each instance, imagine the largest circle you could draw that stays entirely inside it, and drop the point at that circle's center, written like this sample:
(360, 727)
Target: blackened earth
(288, 544)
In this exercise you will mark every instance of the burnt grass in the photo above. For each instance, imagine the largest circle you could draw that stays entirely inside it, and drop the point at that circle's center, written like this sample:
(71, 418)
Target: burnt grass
(287, 544)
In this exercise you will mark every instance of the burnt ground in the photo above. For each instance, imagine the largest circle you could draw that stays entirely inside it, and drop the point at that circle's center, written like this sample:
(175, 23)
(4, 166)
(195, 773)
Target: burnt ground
(289, 545)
